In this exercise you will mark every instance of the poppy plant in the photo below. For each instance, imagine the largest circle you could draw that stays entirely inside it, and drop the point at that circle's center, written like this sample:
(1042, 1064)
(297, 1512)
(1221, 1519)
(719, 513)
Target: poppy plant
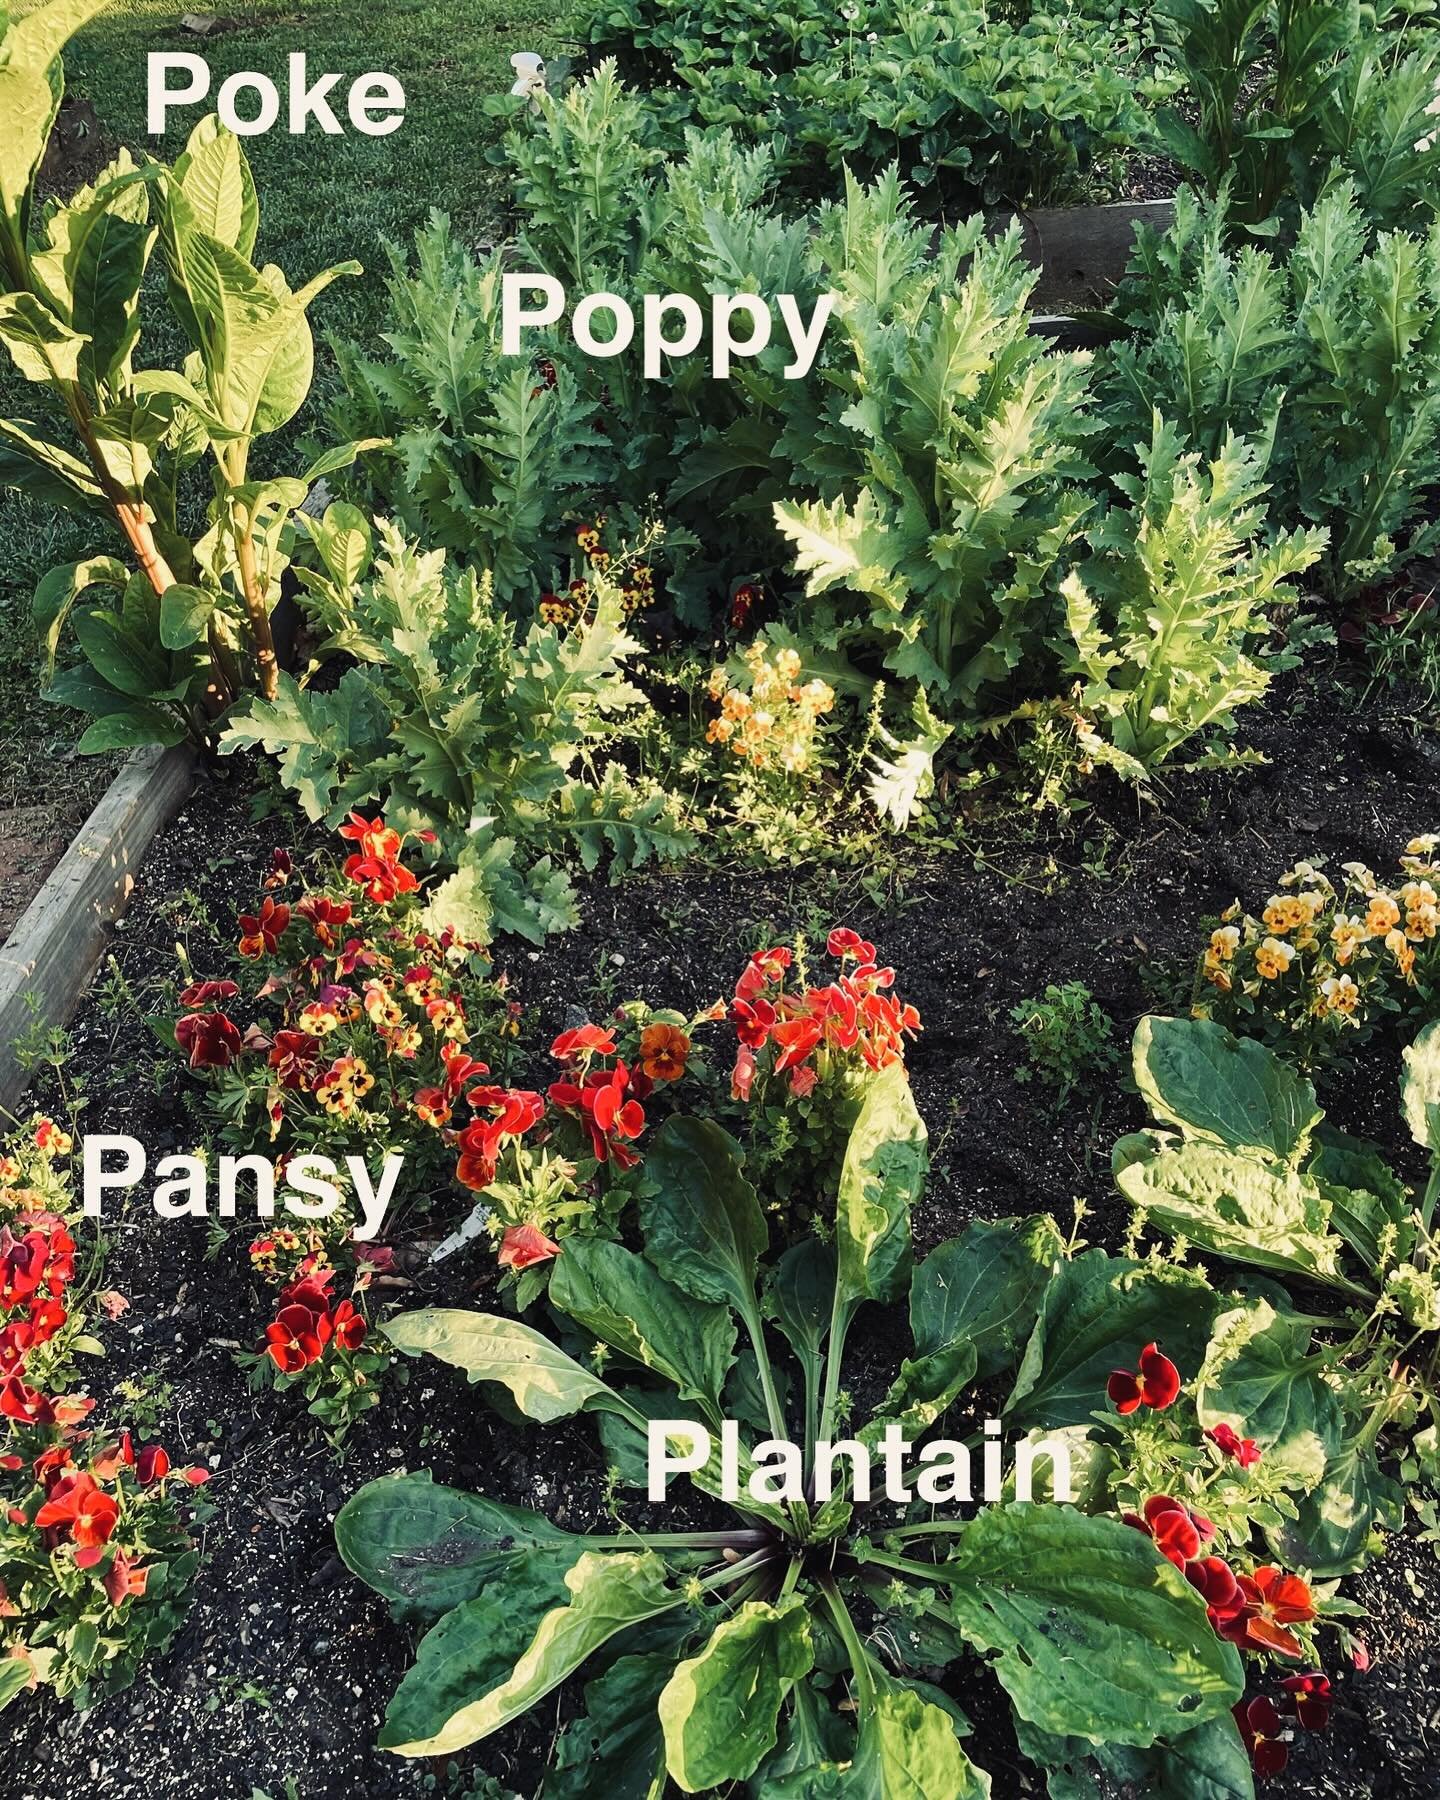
(1156, 1383)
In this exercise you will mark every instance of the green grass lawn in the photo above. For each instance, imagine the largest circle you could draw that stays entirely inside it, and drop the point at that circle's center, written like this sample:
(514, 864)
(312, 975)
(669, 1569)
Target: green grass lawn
(323, 200)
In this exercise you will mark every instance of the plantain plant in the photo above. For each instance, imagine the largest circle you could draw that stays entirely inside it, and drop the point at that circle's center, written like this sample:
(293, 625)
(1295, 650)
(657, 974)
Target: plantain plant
(786, 1648)
(182, 623)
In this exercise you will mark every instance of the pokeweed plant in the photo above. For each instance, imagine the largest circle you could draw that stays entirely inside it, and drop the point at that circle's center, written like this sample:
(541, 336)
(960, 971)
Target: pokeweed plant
(480, 742)
(1244, 1168)
(184, 624)
(1328, 357)
(1167, 623)
(744, 1652)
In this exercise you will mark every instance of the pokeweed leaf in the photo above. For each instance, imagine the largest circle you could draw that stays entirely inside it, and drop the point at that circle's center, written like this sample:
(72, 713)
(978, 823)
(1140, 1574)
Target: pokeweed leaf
(93, 264)
(720, 1709)
(41, 345)
(214, 175)
(1093, 1633)
(31, 83)
(1097, 1314)
(1237, 1206)
(881, 1178)
(427, 1547)
(129, 728)
(1257, 1378)
(46, 472)
(700, 1217)
(184, 615)
(907, 1750)
(1222, 1089)
(59, 589)
(468, 1679)
(1420, 1088)
(984, 1288)
(628, 1305)
(542, 1380)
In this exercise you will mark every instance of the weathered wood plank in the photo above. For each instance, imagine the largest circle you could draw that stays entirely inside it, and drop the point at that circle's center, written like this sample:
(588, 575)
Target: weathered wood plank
(47, 962)
(1081, 251)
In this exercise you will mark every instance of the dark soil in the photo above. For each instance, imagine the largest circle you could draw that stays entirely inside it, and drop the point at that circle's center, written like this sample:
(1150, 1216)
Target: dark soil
(285, 1665)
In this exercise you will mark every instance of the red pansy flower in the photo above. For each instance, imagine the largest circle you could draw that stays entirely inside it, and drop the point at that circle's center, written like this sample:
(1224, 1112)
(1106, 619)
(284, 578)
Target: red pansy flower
(1156, 1383)
(1309, 1698)
(1260, 1726)
(261, 933)
(206, 993)
(210, 1040)
(81, 1509)
(1245, 1451)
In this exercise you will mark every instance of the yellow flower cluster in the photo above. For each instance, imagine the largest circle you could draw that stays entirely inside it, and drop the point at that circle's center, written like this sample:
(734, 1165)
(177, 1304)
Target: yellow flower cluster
(345, 1085)
(768, 718)
(1325, 952)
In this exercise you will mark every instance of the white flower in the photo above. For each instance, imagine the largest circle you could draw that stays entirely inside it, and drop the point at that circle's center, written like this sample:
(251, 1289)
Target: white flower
(529, 76)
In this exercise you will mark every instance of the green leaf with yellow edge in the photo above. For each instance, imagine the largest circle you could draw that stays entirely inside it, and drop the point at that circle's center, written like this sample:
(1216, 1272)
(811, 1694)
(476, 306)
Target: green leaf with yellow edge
(541, 1379)
(881, 1178)
(469, 1680)
(720, 1710)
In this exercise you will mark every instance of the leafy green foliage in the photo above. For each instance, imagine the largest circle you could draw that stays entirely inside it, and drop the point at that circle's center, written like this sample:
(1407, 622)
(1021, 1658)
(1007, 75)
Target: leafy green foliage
(461, 728)
(184, 632)
(1067, 1037)
(1253, 1178)
(732, 1678)
(1288, 92)
(1329, 358)
(986, 107)
(487, 450)
(1169, 653)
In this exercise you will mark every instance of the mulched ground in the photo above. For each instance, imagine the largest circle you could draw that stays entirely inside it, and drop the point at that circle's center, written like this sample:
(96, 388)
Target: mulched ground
(283, 1670)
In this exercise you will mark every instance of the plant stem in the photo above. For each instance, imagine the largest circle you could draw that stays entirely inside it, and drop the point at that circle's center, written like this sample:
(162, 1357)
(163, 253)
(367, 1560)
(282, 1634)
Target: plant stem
(845, 1625)
(256, 610)
(931, 1528)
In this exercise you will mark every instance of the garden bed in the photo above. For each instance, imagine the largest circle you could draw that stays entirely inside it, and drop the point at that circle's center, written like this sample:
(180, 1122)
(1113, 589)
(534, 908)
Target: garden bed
(286, 1664)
